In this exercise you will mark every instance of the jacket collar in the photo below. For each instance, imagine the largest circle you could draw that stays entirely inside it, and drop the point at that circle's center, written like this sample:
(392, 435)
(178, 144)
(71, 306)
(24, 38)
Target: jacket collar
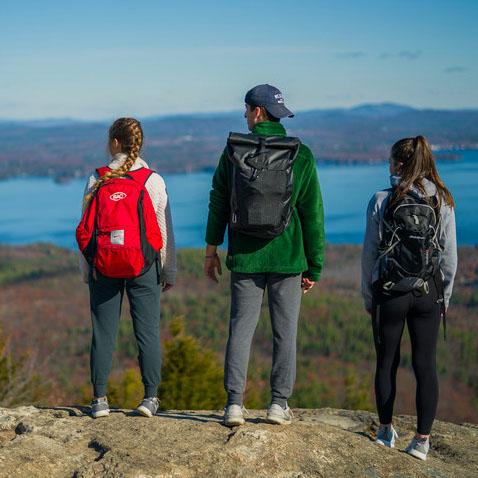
(269, 128)
(119, 159)
(430, 188)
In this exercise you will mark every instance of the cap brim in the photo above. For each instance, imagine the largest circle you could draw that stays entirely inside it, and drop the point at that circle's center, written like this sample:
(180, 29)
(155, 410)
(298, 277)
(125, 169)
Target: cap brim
(279, 111)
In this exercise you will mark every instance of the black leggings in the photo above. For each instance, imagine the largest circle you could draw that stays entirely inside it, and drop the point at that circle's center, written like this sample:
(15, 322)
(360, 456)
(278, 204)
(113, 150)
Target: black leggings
(422, 314)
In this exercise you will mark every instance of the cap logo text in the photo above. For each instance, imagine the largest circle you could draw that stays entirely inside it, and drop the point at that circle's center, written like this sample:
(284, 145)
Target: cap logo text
(279, 98)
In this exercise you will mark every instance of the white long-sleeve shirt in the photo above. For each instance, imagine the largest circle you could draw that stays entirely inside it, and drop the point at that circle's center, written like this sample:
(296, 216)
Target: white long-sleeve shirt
(156, 188)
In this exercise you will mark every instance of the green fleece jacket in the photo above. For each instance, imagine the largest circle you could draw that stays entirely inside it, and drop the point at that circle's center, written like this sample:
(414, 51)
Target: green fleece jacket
(300, 248)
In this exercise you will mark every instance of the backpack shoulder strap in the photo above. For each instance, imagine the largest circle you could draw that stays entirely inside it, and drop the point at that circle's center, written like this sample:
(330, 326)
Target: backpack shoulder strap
(386, 214)
(102, 171)
(387, 204)
(435, 204)
(140, 175)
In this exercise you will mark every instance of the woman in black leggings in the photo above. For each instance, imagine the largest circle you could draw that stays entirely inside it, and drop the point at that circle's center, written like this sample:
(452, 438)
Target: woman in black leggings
(409, 263)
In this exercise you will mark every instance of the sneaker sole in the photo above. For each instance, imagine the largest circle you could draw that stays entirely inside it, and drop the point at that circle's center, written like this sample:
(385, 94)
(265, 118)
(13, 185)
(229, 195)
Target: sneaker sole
(144, 412)
(417, 454)
(101, 413)
(278, 421)
(385, 443)
(234, 422)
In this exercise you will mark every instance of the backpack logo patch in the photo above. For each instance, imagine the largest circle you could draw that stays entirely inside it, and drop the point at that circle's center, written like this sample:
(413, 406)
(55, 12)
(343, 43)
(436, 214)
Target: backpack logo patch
(118, 196)
(117, 237)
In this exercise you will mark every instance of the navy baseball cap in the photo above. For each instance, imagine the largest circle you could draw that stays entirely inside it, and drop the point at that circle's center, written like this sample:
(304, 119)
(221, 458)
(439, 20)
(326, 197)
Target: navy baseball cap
(270, 98)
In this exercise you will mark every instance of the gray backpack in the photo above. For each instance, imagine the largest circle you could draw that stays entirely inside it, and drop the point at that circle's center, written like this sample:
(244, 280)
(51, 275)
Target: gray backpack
(262, 183)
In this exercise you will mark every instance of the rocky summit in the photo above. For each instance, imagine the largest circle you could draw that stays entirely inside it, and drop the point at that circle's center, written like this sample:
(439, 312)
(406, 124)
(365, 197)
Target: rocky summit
(66, 442)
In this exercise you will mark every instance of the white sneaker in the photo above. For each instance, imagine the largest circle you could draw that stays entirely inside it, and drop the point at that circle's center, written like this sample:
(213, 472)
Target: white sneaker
(100, 407)
(278, 415)
(386, 436)
(234, 415)
(418, 448)
(148, 407)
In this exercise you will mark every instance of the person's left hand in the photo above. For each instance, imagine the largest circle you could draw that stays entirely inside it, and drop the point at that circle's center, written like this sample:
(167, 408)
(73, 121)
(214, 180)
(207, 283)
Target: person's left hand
(306, 284)
(166, 286)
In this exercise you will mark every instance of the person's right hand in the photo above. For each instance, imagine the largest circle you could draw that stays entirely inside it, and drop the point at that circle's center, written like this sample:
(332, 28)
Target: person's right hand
(211, 264)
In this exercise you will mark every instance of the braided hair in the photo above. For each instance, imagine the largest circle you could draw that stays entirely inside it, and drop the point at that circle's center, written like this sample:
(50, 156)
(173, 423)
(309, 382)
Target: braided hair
(129, 134)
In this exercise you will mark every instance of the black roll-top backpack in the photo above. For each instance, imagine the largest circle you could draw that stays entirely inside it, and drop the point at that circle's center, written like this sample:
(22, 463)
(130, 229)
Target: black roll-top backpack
(262, 183)
(409, 253)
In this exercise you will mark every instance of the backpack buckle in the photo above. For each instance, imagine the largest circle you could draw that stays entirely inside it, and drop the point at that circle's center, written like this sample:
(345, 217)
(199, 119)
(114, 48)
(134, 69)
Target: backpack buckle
(388, 286)
(426, 287)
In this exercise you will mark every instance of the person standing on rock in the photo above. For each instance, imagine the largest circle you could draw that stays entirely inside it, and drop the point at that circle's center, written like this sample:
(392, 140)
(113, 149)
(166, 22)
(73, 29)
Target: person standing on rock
(127, 244)
(409, 262)
(266, 191)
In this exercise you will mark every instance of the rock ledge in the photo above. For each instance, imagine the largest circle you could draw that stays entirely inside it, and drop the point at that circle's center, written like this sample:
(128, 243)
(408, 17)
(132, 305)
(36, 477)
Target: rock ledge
(66, 442)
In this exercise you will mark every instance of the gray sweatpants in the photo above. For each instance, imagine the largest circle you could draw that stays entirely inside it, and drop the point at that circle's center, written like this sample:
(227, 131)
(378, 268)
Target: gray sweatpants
(284, 294)
(106, 296)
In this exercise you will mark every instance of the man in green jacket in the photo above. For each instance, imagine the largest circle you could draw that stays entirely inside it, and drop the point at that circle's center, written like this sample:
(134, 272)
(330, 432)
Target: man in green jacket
(287, 265)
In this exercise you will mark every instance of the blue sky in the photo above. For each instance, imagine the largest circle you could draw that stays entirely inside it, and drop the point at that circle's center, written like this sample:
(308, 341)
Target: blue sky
(101, 59)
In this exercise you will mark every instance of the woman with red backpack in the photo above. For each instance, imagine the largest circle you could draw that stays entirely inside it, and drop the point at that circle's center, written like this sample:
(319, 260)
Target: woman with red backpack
(127, 244)
(409, 263)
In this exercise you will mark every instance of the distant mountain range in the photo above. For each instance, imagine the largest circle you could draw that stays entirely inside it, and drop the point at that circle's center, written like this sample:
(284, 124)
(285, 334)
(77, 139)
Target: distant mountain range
(66, 148)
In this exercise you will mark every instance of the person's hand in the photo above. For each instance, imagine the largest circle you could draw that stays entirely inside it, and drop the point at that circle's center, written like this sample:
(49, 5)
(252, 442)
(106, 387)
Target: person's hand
(165, 286)
(306, 284)
(212, 264)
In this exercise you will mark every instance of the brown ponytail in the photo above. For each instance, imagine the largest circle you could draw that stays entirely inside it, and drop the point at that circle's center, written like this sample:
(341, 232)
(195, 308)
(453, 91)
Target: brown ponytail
(416, 163)
(129, 134)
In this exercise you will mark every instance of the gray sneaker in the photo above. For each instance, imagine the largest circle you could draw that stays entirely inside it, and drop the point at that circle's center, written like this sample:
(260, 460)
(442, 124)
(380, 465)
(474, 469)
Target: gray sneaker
(234, 415)
(100, 407)
(148, 407)
(418, 448)
(386, 436)
(278, 415)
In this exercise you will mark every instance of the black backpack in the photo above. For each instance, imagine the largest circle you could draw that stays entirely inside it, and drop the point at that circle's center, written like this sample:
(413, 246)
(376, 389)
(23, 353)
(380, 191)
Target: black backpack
(262, 183)
(409, 253)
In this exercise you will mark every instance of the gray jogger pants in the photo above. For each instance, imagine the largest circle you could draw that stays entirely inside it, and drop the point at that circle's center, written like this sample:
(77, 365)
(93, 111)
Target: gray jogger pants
(284, 294)
(106, 295)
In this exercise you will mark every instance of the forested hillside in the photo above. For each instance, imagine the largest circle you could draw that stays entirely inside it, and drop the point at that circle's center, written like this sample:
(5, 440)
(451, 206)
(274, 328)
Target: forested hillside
(45, 326)
(65, 149)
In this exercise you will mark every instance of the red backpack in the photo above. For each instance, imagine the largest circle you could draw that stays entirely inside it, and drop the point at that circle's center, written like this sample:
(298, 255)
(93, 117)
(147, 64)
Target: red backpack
(118, 233)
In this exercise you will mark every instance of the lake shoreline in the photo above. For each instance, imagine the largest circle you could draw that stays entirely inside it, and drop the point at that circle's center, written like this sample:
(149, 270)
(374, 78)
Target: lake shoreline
(448, 154)
(43, 210)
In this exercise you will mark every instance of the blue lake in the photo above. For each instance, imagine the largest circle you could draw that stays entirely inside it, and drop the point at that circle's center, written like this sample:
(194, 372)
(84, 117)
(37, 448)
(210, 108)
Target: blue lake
(39, 210)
